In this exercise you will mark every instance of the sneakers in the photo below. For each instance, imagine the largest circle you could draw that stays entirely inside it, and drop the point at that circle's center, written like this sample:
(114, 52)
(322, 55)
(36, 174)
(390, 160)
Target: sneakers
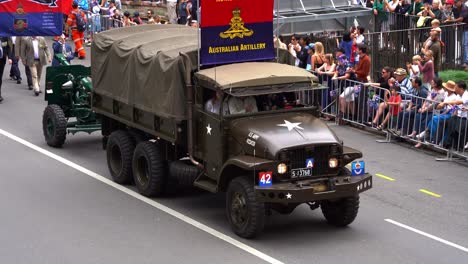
(465, 147)
(421, 135)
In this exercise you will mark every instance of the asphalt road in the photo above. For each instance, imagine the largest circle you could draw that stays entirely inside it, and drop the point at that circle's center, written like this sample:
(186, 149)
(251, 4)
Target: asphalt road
(52, 211)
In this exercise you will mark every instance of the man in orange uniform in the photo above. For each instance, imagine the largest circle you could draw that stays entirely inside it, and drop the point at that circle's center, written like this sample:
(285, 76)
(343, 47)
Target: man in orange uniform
(77, 33)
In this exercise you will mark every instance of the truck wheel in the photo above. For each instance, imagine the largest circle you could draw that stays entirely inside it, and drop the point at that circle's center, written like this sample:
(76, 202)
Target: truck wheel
(245, 214)
(149, 169)
(54, 126)
(342, 212)
(119, 150)
(183, 173)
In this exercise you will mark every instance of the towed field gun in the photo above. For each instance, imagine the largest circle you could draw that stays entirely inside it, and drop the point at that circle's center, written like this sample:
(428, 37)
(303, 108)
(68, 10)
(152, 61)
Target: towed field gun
(68, 94)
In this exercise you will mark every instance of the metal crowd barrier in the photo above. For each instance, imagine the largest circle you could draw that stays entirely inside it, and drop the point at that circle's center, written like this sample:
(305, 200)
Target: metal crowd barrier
(349, 101)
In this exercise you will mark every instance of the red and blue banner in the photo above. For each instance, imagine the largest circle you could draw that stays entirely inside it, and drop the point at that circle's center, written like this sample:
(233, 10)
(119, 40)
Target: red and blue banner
(32, 17)
(236, 31)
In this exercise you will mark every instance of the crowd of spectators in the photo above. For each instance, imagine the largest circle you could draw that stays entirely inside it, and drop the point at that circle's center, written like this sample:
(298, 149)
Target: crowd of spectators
(410, 101)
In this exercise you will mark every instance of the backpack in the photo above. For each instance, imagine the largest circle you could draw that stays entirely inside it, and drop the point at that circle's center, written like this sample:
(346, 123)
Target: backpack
(80, 21)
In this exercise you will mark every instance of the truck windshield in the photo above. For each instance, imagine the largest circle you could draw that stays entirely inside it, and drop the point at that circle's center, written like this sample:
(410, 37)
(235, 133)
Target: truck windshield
(234, 105)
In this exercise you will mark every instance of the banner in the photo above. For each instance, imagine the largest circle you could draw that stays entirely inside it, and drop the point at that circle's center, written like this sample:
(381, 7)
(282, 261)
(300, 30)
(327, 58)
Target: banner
(32, 17)
(236, 31)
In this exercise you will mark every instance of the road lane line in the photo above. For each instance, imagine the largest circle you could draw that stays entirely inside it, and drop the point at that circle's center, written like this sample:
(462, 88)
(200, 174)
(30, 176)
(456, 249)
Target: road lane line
(430, 193)
(427, 235)
(384, 177)
(144, 199)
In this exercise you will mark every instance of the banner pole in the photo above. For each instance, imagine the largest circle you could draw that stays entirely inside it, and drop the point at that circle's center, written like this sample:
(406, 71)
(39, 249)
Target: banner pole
(277, 30)
(199, 32)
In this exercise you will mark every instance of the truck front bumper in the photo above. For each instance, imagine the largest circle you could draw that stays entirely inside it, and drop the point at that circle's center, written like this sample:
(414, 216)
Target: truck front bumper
(311, 190)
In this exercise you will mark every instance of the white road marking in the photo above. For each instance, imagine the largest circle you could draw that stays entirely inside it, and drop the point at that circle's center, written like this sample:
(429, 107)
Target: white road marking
(144, 199)
(428, 235)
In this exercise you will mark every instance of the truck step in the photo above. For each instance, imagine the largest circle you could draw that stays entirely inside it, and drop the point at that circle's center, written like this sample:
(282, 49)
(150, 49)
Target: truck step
(206, 184)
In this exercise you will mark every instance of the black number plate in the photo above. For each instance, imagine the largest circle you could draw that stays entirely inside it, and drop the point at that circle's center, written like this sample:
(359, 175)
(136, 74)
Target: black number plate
(299, 173)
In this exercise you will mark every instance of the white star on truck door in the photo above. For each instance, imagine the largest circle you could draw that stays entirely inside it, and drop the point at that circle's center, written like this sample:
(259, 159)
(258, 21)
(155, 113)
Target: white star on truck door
(208, 129)
(290, 125)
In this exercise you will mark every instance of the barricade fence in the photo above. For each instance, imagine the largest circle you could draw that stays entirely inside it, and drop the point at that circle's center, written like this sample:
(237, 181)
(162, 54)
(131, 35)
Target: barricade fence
(421, 120)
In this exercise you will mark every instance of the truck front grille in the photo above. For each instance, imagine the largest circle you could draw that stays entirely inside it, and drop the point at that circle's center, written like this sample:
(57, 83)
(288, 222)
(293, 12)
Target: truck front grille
(296, 158)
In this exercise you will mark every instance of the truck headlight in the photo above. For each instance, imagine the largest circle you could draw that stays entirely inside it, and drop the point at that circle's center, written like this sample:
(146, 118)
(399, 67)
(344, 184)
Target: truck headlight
(282, 168)
(333, 162)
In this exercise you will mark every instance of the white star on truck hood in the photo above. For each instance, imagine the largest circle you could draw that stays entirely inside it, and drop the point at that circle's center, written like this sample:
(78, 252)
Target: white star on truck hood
(290, 125)
(208, 129)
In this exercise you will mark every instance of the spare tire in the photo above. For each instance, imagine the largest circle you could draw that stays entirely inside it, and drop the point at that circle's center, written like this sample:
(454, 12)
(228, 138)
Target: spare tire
(183, 173)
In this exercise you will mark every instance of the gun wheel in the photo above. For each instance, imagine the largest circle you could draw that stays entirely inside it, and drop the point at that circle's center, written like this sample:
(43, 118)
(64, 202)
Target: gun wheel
(54, 126)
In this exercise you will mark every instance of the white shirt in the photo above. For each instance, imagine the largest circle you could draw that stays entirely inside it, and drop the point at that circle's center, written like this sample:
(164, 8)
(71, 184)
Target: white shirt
(464, 99)
(35, 43)
(213, 107)
(13, 39)
(238, 105)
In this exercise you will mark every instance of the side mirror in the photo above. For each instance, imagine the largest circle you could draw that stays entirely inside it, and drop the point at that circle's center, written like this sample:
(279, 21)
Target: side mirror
(68, 85)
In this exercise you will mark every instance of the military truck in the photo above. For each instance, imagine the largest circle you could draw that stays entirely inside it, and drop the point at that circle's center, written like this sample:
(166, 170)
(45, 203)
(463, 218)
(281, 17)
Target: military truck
(157, 129)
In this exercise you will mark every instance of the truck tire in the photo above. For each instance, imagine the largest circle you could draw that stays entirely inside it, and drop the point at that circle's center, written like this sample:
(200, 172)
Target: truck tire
(149, 169)
(342, 212)
(54, 126)
(119, 151)
(183, 173)
(244, 213)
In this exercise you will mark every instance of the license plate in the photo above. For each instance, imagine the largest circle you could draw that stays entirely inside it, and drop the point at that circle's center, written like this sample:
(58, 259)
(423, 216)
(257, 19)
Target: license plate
(299, 173)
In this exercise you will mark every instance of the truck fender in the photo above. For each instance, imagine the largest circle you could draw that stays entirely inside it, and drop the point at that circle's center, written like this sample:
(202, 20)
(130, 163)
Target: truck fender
(350, 154)
(241, 166)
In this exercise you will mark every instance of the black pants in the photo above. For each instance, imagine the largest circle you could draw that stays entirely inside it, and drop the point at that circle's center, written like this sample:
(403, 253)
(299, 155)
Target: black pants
(28, 75)
(458, 132)
(2, 68)
(14, 70)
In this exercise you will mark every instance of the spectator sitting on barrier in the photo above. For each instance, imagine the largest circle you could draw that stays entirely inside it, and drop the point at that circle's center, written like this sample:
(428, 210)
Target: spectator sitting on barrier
(404, 83)
(434, 123)
(457, 126)
(117, 19)
(344, 72)
(393, 104)
(328, 67)
(150, 15)
(381, 87)
(127, 21)
(429, 107)
(418, 95)
(137, 19)
(61, 47)
(413, 68)
(428, 69)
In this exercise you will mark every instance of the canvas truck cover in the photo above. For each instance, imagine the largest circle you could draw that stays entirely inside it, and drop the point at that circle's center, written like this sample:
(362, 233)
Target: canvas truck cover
(252, 74)
(148, 66)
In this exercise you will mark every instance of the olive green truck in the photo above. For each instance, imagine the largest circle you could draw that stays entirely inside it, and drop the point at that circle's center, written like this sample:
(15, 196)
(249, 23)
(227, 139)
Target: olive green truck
(165, 122)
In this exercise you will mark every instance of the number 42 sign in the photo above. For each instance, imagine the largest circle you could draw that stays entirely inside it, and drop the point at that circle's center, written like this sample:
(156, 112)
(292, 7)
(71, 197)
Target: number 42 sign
(265, 179)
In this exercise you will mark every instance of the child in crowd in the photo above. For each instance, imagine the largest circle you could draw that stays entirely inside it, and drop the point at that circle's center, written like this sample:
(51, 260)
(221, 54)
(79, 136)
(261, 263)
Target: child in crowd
(413, 69)
(394, 104)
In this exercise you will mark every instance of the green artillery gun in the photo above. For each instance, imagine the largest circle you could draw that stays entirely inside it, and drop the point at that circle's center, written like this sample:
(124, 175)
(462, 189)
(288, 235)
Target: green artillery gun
(68, 95)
